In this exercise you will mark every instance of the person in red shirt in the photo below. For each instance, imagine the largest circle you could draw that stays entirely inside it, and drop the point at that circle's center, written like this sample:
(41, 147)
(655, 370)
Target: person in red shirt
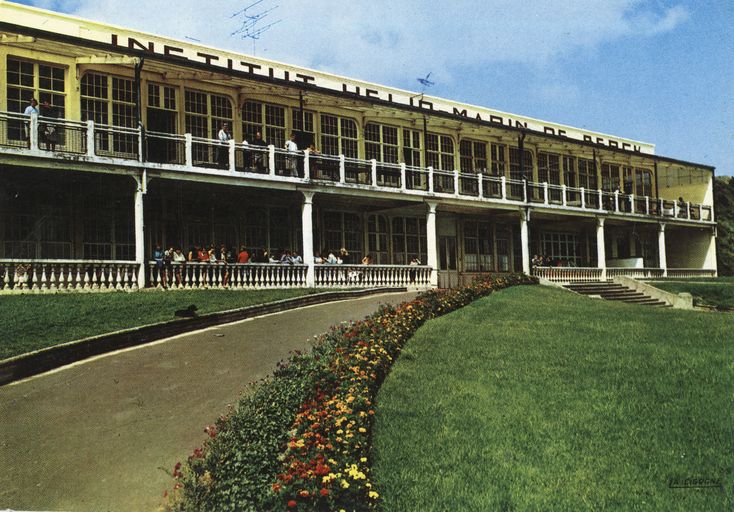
(244, 256)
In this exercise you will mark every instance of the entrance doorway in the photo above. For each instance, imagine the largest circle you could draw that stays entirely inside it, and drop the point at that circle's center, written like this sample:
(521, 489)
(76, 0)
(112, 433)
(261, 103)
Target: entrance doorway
(158, 149)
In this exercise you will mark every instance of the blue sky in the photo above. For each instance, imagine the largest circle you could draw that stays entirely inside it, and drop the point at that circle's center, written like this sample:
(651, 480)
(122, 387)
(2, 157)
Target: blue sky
(657, 71)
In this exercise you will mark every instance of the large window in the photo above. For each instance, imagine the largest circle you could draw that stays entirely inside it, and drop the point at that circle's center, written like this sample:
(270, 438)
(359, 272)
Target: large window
(473, 156)
(377, 239)
(610, 178)
(497, 159)
(110, 100)
(265, 118)
(343, 229)
(549, 170)
(339, 136)
(569, 171)
(587, 174)
(205, 113)
(478, 246)
(439, 152)
(28, 80)
(517, 174)
(381, 143)
(412, 147)
(643, 182)
(408, 240)
(561, 247)
(302, 122)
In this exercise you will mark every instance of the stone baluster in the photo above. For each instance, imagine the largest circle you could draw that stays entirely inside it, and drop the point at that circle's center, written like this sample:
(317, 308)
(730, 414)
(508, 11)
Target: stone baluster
(34, 284)
(44, 279)
(118, 279)
(95, 284)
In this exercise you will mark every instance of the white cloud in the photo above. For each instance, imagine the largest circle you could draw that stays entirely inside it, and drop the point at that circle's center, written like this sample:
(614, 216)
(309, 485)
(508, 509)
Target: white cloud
(387, 41)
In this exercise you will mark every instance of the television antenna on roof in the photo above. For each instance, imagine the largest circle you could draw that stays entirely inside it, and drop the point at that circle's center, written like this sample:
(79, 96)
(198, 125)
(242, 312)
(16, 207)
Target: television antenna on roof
(250, 28)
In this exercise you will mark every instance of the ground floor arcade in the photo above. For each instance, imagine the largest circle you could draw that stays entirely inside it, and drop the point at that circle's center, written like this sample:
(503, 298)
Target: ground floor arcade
(94, 230)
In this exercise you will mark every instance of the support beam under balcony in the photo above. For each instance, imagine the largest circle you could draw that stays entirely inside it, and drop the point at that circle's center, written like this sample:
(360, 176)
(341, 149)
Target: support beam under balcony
(307, 233)
(432, 241)
(140, 190)
(525, 240)
(662, 256)
(601, 251)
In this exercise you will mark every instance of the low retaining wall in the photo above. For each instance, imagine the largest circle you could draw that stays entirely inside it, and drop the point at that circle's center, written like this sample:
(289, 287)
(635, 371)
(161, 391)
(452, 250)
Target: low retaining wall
(39, 361)
(677, 300)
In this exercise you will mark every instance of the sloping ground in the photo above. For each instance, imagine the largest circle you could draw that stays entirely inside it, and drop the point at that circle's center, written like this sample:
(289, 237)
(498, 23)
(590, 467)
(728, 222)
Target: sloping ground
(99, 436)
(536, 399)
(717, 293)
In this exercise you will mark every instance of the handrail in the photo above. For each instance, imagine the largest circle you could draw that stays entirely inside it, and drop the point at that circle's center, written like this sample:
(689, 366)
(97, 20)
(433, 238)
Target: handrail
(472, 186)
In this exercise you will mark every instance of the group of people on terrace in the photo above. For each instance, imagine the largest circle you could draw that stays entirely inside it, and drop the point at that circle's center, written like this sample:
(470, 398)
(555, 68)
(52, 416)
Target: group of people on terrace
(48, 133)
(256, 157)
(546, 261)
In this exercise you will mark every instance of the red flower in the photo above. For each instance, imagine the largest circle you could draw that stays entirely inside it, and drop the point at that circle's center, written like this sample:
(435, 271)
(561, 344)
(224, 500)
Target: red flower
(292, 504)
(324, 492)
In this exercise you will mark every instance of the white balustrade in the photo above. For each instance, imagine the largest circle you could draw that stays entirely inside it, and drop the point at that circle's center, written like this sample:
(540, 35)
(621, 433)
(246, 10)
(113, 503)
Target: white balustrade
(363, 276)
(568, 274)
(54, 276)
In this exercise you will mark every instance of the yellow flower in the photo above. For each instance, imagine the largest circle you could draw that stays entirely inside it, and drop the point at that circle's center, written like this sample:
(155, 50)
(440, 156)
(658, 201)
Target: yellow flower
(363, 459)
(345, 484)
(373, 495)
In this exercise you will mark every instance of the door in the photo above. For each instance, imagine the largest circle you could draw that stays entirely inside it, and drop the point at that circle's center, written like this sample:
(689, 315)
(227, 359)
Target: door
(448, 273)
(162, 150)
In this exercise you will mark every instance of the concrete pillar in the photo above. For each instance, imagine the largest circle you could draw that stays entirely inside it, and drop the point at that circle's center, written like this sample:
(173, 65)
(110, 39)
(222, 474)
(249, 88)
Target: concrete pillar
(432, 241)
(525, 240)
(662, 257)
(601, 252)
(307, 232)
(711, 253)
(140, 190)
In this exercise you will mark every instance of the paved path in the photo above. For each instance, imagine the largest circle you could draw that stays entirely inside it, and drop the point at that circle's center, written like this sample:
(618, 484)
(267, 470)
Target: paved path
(93, 436)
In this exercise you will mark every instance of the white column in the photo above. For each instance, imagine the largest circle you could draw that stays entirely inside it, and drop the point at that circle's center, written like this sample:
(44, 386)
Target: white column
(33, 132)
(525, 240)
(432, 241)
(90, 139)
(140, 191)
(306, 164)
(307, 231)
(231, 154)
(189, 149)
(403, 175)
(271, 159)
(711, 253)
(601, 252)
(662, 256)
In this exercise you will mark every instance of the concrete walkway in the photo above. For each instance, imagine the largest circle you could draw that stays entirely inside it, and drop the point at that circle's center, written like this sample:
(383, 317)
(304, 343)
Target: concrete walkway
(95, 435)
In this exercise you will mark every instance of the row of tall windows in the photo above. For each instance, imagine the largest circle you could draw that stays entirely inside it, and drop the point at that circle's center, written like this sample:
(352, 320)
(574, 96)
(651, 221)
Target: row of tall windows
(111, 100)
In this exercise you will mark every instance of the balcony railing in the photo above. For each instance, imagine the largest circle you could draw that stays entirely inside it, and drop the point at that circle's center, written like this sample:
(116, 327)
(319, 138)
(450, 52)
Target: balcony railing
(185, 153)
(355, 276)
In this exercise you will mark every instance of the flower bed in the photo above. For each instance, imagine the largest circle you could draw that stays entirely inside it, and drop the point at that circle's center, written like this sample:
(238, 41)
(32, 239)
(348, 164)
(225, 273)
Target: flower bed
(301, 439)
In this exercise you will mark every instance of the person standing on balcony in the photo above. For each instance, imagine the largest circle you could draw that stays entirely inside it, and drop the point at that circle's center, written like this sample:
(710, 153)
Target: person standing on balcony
(258, 154)
(32, 108)
(414, 262)
(224, 137)
(291, 161)
(49, 131)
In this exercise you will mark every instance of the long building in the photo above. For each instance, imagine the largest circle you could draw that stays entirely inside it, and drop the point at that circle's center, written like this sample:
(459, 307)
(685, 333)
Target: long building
(125, 155)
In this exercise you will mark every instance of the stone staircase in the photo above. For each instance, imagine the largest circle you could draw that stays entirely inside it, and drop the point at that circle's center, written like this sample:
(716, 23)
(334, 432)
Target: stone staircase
(614, 291)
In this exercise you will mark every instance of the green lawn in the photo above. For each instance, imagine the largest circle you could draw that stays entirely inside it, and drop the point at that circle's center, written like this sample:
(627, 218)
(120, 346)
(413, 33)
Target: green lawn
(31, 322)
(538, 399)
(706, 292)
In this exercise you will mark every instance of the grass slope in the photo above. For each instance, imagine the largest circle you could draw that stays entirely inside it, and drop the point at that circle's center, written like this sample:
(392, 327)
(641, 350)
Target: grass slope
(706, 292)
(31, 322)
(538, 399)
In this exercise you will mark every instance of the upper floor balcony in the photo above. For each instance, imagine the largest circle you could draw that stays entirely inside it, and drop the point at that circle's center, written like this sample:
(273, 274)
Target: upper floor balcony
(87, 142)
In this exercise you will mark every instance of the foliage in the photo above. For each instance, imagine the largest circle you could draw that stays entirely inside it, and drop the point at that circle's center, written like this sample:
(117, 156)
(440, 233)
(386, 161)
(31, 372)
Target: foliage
(724, 204)
(539, 399)
(301, 439)
(31, 322)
